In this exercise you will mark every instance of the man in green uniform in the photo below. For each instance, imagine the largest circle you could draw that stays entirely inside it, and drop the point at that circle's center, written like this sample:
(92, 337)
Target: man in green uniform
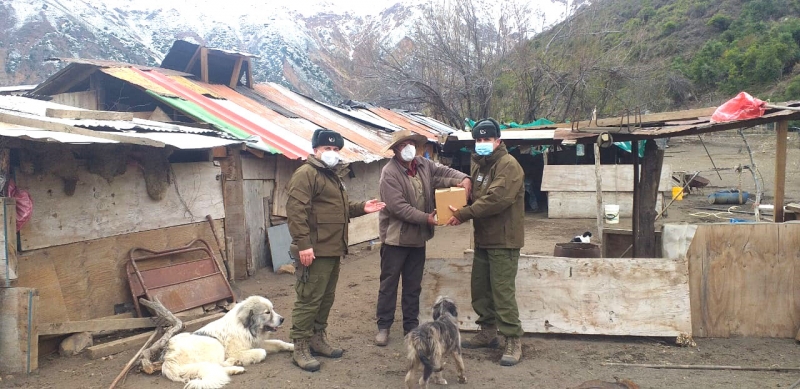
(498, 210)
(319, 212)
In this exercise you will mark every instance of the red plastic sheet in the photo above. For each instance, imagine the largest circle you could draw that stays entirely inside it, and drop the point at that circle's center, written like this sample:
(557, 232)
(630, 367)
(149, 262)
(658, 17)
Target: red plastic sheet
(24, 203)
(741, 107)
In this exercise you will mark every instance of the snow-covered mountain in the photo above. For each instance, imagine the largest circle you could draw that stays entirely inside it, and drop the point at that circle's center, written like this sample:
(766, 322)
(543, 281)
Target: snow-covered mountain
(313, 47)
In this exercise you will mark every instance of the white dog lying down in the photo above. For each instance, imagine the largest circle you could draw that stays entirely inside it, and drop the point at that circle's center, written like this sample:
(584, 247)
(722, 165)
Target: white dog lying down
(206, 358)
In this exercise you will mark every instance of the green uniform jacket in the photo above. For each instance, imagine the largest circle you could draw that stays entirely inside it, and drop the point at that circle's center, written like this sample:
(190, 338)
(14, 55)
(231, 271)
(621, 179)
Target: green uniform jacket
(319, 210)
(498, 205)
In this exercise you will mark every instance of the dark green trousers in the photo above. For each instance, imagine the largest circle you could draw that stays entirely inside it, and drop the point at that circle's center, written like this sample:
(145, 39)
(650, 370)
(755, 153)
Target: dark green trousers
(494, 273)
(314, 298)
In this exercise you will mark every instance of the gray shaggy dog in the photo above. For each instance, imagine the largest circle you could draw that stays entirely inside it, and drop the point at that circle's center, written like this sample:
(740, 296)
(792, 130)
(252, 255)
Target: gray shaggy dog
(430, 342)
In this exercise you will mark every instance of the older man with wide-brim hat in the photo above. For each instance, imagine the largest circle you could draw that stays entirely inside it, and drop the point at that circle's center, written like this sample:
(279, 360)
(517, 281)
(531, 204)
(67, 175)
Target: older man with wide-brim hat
(406, 223)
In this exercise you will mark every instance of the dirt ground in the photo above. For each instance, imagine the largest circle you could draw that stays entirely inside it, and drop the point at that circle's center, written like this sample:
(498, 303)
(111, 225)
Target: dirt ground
(549, 361)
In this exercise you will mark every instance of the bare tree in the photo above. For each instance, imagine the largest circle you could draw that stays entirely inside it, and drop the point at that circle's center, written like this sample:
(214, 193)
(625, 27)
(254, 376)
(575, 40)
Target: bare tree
(452, 61)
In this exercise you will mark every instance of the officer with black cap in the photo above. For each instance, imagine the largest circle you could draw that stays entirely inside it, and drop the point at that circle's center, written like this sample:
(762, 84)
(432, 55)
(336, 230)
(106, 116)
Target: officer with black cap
(318, 214)
(498, 212)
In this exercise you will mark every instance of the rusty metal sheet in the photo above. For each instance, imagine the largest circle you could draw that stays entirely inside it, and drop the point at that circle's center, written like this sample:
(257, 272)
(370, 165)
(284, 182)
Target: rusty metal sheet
(309, 109)
(179, 285)
(300, 127)
(404, 122)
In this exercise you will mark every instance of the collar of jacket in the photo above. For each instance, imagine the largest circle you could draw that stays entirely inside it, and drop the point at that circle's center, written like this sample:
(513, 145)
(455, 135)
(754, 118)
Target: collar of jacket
(483, 160)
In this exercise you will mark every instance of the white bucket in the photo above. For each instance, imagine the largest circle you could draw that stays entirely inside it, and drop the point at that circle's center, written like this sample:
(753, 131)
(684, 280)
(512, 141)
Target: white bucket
(612, 213)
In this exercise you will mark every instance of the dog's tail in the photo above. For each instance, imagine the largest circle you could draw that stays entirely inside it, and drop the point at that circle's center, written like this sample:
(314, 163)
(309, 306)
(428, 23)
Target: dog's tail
(431, 358)
(201, 375)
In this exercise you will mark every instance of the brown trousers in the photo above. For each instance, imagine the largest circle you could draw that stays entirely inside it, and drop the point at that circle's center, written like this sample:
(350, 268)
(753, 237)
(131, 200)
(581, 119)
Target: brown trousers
(397, 262)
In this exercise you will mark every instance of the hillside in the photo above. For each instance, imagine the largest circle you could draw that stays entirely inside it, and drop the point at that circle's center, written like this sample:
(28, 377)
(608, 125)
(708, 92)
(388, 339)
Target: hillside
(309, 52)
(654, 55)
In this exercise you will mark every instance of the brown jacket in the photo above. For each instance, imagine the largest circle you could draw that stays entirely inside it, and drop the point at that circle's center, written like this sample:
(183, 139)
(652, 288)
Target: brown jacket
(498, 206)
(400, 222)
(319, 210)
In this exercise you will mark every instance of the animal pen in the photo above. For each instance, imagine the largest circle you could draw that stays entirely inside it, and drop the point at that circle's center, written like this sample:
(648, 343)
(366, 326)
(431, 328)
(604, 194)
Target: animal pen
(709, 280)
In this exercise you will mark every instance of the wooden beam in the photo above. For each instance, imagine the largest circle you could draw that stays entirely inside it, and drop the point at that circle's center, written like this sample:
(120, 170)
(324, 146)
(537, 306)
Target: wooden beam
(250, 73)
(72, 327)
(84, 114)
(636, 204)
(19, 338)
(644, 231)
(235, 218)
(118, 346)
(237, 71)
(599, 194)
(190, 65)
(660, 117)
(780, 169)
(54, 126)
(203, 64)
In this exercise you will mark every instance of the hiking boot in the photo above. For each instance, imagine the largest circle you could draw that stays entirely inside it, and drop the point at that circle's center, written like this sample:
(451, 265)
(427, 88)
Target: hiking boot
(382, 339)
(319, 346)
(486, 337)
(513, 352)
(302, 356)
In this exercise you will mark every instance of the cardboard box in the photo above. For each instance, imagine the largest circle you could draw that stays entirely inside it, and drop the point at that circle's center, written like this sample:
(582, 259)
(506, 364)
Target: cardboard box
(454, 196)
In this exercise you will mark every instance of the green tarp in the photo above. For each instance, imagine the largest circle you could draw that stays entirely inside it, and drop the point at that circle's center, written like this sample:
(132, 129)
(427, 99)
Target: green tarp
(539, 122)
(195, 111)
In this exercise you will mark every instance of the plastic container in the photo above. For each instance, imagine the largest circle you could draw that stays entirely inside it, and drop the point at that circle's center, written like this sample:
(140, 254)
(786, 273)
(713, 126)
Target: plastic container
(612, 213)
(729, 196)
(677, 193)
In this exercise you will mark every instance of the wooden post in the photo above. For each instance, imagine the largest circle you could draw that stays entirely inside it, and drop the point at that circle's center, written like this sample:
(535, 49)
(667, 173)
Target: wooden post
(204, 64)
(19, 337)
(780, 169)
(599, 194)
(644, 234)
(237, 70)
(235, 222)
(636, 205)
(190, 65)
(250, 73)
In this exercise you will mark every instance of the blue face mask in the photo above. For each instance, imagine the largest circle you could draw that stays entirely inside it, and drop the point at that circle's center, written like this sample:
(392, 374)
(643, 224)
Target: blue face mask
(484, 148)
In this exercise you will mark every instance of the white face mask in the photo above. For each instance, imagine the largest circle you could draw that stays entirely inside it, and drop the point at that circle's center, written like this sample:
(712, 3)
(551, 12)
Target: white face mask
(408, 153)
(330, 158)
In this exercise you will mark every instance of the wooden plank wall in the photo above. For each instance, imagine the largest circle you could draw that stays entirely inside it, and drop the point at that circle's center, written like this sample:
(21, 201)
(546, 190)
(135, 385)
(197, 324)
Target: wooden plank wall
(582, 205)
(581, 178)
(100, 209)
(362, 229)
(604, 296)
(84, 280)
(284, 168)
(745, 280)
(85, 99)
(255, 194)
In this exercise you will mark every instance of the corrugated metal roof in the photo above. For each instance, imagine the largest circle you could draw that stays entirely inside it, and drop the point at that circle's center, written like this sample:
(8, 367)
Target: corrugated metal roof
(211, 111)
(17, 88)
(372, 140)
(114, 64)
(299, 127)
(39, 108)
(433, 124)
(177, 140)
(404, 122)
(702, 125)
